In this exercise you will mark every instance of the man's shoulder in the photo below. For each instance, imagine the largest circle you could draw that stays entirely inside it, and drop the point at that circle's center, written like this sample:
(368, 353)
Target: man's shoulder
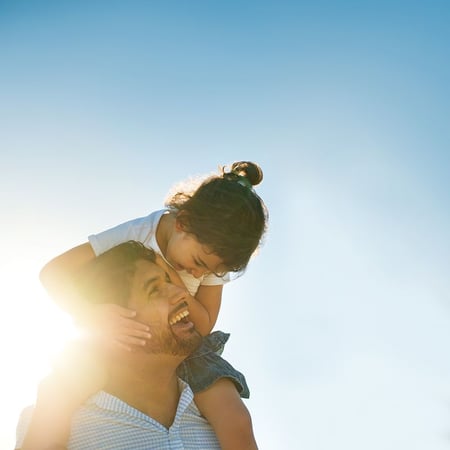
(108, 419)
(105, 421)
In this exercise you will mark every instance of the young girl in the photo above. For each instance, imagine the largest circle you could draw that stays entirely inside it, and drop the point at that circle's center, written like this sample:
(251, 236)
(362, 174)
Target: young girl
(203, 236)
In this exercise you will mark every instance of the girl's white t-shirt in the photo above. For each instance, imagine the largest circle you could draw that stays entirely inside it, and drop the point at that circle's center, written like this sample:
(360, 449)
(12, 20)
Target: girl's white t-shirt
(143, 229)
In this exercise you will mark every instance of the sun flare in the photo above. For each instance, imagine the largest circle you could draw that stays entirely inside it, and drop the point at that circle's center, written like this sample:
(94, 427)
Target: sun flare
(34, 333)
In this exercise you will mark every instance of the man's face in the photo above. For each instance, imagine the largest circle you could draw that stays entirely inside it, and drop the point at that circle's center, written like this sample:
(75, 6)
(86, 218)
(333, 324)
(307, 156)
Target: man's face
(162, 305)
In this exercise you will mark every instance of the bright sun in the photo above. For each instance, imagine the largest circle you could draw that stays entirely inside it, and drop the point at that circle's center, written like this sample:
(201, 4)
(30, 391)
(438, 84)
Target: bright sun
(34, 332)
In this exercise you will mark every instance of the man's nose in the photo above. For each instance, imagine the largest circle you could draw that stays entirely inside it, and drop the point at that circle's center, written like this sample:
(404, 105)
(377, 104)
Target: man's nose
(177, 294)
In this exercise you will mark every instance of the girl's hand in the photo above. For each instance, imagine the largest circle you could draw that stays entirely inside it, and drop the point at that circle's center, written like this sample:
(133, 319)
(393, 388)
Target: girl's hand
(113, 325)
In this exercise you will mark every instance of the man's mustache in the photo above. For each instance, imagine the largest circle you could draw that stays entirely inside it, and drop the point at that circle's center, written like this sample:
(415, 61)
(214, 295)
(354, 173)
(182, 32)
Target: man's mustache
(182, 305)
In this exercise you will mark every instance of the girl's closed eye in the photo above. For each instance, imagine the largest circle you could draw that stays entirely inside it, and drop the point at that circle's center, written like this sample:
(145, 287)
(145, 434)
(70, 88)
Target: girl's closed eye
(200, 264)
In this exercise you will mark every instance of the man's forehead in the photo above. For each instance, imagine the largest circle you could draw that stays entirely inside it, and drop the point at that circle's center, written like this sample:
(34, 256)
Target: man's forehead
(147, 268)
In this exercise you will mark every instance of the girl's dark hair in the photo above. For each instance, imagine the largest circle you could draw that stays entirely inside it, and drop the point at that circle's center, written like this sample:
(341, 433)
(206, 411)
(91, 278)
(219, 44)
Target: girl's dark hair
(225, 214)
(106, 279)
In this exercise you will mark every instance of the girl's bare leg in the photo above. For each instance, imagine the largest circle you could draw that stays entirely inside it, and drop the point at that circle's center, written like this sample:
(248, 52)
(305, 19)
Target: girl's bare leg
(222, 406)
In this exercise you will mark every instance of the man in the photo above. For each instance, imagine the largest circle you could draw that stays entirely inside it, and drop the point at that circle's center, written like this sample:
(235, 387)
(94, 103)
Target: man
(143, 403)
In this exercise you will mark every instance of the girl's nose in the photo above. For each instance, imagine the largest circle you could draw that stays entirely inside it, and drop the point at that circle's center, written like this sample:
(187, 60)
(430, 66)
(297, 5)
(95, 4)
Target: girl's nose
(197, 273)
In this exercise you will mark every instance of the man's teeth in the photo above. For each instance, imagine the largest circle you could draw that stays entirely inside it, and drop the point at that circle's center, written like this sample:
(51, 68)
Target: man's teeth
(178, 317)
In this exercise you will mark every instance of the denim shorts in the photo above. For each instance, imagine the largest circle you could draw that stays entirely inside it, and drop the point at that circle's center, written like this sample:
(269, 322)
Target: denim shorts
(205, 366)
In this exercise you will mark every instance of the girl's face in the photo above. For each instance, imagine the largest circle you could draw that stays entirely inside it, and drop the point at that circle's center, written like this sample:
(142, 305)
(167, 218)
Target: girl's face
(184, 252)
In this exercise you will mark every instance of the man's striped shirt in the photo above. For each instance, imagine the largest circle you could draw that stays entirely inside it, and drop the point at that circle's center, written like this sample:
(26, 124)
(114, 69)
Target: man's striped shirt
(106, 422)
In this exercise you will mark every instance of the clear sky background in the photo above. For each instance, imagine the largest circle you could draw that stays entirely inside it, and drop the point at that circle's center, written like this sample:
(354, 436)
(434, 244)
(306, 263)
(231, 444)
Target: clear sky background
(342, 322)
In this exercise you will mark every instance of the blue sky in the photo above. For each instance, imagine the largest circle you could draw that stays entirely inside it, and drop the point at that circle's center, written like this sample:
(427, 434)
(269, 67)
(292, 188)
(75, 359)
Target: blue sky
(342, 322)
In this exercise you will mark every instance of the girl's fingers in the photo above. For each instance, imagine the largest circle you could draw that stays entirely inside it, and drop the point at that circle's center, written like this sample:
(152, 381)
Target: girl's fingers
(135, 328)
(126, 342)
(124, 312)
(117, 326)
(119, 310)
(134, 334)
(125, 347)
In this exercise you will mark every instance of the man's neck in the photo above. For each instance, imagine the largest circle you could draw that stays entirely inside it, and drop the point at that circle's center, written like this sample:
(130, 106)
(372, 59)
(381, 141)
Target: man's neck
(152, 388)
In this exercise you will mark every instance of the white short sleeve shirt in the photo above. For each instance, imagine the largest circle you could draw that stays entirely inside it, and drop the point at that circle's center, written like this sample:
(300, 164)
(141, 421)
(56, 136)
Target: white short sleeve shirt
(143, 230)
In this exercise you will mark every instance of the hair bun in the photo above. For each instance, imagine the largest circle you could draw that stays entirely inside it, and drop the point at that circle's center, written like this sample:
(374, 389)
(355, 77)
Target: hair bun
(249, 170)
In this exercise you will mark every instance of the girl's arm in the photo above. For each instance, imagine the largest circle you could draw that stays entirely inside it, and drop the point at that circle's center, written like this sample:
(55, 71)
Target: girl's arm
(208, 299)
(204, 307)
(57, 278)
(113, 322)
(110, 322)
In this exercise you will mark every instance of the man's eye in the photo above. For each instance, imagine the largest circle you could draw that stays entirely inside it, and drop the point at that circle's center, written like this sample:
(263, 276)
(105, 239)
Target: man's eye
(153, 291)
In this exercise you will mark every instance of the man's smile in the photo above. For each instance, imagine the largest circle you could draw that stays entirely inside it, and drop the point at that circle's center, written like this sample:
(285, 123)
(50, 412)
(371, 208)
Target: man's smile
(180, 316)
(179, 313)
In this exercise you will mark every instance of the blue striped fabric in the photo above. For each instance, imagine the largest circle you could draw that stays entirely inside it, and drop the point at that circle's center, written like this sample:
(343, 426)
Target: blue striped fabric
(105, 422)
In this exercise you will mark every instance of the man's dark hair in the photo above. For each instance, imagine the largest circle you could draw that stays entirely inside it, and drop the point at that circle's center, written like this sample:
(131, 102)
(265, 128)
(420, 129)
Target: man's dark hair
(106, 279)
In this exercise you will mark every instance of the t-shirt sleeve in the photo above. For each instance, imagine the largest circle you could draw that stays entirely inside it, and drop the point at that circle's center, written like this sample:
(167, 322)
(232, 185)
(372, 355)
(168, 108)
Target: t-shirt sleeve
(214, 280)
(135, 230)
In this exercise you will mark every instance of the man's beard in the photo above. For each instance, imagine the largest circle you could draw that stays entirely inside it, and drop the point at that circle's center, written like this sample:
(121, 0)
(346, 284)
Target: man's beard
(166, 342)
